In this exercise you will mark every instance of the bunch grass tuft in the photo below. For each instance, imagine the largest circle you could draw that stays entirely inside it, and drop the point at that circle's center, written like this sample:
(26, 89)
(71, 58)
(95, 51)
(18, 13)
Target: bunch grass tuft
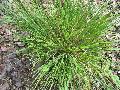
(67, 44)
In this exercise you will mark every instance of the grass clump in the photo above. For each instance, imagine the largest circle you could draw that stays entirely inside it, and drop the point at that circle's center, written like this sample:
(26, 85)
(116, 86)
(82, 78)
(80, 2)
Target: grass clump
(67, 45)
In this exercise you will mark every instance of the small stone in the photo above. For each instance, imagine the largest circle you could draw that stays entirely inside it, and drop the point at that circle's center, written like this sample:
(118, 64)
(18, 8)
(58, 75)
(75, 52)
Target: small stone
(12, 55)
(16, 39)
(18, 84)
(8, 68)
(18, 63)
(3, 49)
(24, 33)
(8, 32)
(14, 74)
(20, 44)
(8, 38)
(118, 72)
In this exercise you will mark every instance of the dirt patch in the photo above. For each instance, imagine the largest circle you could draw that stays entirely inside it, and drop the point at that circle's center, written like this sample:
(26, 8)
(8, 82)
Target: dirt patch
(14, 67)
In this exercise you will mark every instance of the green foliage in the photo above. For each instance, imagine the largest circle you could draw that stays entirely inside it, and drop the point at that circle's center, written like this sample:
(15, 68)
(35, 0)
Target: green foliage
(67, 44)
